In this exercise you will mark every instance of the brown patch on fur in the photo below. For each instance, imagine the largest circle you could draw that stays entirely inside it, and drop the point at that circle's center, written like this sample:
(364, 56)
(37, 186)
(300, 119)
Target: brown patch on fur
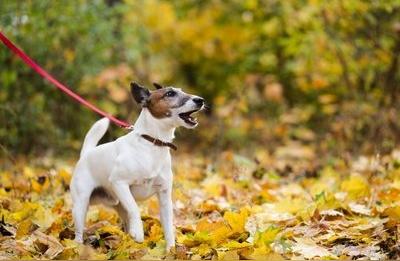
(157, 105)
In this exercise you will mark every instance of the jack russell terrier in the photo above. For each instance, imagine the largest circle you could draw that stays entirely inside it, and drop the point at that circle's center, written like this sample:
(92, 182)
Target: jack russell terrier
(135, 166)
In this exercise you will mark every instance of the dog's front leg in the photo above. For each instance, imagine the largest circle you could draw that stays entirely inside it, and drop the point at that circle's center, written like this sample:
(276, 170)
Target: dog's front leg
(135, 226)
(166, 216)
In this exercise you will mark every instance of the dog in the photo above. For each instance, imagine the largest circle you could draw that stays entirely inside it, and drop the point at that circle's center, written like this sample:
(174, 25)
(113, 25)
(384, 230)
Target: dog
(135, 166)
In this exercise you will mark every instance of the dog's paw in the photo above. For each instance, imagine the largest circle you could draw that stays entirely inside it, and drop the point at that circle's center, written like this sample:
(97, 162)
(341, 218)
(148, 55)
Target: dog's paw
(138, 237)
(170, 247)
(137, 233)
(79, 239)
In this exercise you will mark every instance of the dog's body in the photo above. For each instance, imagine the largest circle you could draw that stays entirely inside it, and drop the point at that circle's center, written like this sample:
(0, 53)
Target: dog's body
(131, 168)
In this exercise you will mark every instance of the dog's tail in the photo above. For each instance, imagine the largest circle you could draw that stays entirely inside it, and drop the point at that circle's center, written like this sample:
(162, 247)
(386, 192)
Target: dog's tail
(94, 135)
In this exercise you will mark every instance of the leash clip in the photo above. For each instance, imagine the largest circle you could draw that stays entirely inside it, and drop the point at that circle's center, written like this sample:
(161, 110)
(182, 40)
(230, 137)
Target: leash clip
(130, 127)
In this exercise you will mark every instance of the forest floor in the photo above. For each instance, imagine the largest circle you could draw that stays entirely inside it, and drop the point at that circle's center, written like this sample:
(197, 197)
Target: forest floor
(226, 207)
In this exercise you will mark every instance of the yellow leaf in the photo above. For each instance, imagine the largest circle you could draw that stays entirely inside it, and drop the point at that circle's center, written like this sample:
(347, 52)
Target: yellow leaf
(71, 250)
(356, 186)
(292, 206)
(203, 250)
(260, 252)
(213, 185)
(265, 238)
(43, 217)
(3, 192)
(394, 215)
(237, 221)
(26, 210)
(28, 172)
(5, 179)
(114, 230)
(228, 255)
(235, 245)
(40, 186)
(197, 239)
(65, 176)
(220, 234)
(155, 233)
(156, 252)
(24, 228)
(207, 226)
(106, 214)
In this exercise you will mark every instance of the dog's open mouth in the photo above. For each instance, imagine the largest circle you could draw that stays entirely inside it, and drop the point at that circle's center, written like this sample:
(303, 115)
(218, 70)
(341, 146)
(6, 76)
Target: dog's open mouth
(187, 117)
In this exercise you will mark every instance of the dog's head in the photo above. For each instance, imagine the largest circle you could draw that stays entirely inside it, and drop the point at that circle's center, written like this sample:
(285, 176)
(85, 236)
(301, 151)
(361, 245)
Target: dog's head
(169, 104)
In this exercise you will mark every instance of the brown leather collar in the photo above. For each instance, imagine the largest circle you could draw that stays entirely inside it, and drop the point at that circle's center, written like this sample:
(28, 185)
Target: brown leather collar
(158, 142)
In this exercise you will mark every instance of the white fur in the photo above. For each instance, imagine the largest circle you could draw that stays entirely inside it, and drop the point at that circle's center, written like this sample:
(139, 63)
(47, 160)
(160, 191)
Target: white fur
(94, 135)
(130, 169)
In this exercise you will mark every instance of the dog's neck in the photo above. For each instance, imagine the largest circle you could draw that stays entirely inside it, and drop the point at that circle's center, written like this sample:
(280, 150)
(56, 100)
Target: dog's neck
(146, 123)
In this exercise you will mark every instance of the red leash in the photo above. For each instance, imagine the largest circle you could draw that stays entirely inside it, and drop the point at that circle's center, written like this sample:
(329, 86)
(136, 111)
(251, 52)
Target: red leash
(59, 85)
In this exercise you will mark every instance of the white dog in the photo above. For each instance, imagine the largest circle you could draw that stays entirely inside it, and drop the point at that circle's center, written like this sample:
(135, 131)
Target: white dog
(135, 166)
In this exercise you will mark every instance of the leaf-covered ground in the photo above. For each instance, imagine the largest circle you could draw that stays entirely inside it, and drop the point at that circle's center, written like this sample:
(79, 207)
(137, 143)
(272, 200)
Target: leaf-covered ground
(226, 207)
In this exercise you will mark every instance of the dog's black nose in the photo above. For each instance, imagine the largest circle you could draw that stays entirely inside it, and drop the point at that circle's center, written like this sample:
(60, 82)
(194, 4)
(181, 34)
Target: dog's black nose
(198, 101)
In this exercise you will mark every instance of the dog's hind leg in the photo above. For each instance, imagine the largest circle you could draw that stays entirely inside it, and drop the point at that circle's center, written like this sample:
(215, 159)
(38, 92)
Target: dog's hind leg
(80, 193)
(79, 213)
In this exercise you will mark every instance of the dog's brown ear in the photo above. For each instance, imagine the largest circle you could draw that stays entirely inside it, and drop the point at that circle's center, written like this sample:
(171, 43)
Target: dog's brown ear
(158, 86)
(140, 93)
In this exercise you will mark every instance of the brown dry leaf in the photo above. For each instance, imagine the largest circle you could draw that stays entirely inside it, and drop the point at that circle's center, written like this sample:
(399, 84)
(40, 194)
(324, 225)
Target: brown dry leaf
(370, 252)
(332, 213)
(359, 209)
(307, 248)
(54, 247)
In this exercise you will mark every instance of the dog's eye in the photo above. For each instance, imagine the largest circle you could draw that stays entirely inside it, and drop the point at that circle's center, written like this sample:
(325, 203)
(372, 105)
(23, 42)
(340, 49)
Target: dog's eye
(170, 93)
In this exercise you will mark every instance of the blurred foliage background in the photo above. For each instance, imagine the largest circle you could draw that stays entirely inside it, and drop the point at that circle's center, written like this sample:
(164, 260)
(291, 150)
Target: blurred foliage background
(275, 72)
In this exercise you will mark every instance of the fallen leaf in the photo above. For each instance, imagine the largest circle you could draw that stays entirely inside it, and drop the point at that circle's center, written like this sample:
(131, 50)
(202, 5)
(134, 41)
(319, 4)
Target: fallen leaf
(359, 209)
(307, 248)
(53, 246)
